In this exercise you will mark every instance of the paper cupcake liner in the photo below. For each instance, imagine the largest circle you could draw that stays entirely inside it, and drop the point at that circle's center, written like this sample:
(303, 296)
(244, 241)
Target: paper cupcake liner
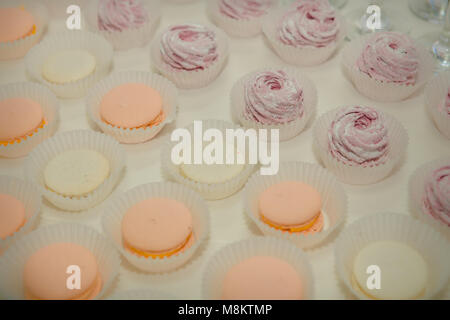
(286, 131)
(130, 38)
(168, 91)
(383, 91)
(50, 107)
(192, 79)
(13, 261)
(431, 245)
(232, 254)
(19, 48)
(239, 28)
(306, 56)
(334, 200)
(96, 45)
(209, 191)
(82, 139)
(113, 216)
(352, 174)
(30, 197)
(140, 294)
(435, 96)
(416, 192)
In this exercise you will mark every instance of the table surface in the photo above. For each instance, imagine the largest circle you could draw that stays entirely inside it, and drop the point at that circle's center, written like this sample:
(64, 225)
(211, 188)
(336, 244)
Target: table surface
(227, 218)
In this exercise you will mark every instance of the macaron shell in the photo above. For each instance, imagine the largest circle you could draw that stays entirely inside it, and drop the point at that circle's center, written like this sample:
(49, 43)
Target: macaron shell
(131, 105)
(45, 275)
(290, 203)
(157, 225)
(19, 117)
(404, 272)
(15, 23)
(12, 215)
(76, 172)
(212, 173)
(262, 278)
(68, 65)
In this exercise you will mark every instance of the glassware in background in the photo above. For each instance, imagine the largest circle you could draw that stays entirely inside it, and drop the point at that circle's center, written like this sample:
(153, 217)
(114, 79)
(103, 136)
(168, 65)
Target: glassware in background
(429, 10)
(439, 43)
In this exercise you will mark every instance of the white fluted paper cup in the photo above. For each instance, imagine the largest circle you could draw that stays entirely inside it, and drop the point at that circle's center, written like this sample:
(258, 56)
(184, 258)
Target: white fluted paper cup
(19, 48)
(236, 27)
(299, 56)
(210, 191)
(30, 197)
(113, 216)
(436, 93)
(128, 38)
(91, 42)
(334, 201)
(140, 294)
(80, 139)
(13, 261)
(417, 184)
(378, 90)
(50, 107)
(184, 79)
(288, 130)
(166, 89)
(234, 253)
(359, 175)
(432, 246)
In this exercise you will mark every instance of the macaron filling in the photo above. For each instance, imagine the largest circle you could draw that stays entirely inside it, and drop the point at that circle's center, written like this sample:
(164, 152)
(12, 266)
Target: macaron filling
(291, 206)
(16, 24)
(132, 106)
(157, 228)
(19, 118)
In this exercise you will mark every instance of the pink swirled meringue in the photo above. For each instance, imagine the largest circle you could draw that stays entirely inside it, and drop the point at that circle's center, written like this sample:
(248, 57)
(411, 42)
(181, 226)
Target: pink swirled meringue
(272, 97)
(447, 103)
(244, 9)
(189, 47)
(390, 57)
(119, 15)
(436, 199)
(358, 136)
(311, 23)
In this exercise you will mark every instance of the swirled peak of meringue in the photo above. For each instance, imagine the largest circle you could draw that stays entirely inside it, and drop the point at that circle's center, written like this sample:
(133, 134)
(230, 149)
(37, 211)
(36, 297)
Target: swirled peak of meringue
(436, 199)
(189, 47)
(244, 9)
(358, 136)
(390, 57)
(311, 23)
(273, 97)
(119, 15)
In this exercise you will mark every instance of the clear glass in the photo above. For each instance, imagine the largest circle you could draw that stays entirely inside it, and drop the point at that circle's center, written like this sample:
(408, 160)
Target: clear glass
(439, 43)
(429, 10)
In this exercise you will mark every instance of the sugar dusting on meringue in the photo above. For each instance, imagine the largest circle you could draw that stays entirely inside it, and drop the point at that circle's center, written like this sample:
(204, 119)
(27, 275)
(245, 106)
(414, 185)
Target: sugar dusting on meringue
(120, 15)
(273, 97)
(244, 9)
(309, 23)
(189, 47)
(390, 57)
(358, 136)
